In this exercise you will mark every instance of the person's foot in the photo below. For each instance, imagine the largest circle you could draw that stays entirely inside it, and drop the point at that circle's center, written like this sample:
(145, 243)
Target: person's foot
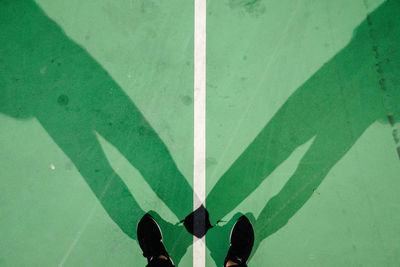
(150, 239)
(241, 242)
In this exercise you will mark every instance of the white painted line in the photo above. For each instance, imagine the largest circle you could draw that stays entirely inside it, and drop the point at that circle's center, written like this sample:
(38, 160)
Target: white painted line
(199, 166)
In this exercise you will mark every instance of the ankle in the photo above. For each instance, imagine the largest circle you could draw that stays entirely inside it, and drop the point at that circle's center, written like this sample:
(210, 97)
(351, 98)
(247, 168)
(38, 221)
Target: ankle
(162, 257)
(231, 263)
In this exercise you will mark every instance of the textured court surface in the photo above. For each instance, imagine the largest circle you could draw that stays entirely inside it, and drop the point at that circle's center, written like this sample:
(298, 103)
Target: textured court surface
(96, 128)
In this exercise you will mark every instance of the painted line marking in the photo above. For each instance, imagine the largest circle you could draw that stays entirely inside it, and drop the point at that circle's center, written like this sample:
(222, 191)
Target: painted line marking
(199, 157)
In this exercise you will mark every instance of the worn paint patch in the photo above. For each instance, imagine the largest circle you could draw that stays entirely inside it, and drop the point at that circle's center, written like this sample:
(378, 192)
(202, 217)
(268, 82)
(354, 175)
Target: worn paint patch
(252, 7)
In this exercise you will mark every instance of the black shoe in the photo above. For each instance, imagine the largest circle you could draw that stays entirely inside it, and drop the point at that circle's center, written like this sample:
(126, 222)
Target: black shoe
(241, 241)
(150, 238)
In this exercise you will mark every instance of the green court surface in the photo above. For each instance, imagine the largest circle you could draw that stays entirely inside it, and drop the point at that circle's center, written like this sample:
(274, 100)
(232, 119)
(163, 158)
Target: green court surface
(96, 129)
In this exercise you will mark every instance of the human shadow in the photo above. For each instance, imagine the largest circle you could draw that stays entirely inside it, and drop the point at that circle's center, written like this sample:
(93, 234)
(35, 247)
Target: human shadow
(354, 89)
(47, 76)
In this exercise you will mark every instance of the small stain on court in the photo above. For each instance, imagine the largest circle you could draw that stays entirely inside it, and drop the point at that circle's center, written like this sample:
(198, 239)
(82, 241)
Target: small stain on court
(63, 100)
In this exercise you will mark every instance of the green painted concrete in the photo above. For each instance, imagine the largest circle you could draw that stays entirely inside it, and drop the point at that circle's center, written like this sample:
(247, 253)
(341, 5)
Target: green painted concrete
(96, 115)
(101, 91)
(302, 92)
